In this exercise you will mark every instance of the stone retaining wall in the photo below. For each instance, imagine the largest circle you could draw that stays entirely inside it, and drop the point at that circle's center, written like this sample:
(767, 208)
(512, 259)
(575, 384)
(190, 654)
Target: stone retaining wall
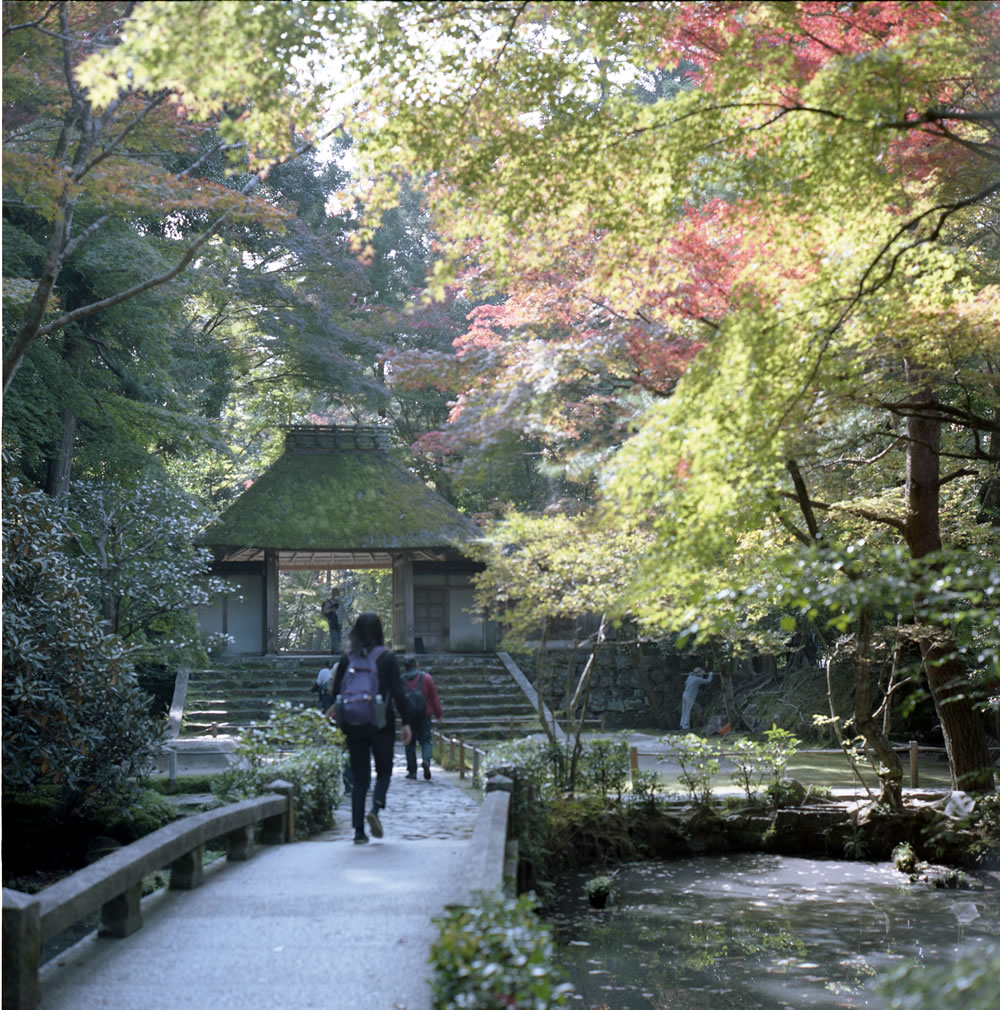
(634, 686)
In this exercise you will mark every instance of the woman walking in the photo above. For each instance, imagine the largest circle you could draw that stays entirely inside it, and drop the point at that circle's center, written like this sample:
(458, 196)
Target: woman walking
(369, 693)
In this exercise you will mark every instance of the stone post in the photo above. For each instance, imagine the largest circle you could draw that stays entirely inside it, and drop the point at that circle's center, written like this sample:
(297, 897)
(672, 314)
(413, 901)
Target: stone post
(22, 950)
(122, 915)
(188, 872)
(276, 830)
(240, 844)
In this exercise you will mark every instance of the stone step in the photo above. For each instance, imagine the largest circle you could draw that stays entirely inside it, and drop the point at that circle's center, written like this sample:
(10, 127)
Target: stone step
(480, 698)
(456, 689)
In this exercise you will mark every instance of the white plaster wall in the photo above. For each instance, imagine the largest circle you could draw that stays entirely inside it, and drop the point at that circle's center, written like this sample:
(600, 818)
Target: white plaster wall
(246, 609)
(466, 625)
(241, 616)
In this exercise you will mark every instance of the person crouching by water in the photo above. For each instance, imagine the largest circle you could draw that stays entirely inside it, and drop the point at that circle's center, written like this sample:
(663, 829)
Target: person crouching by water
(368, 692)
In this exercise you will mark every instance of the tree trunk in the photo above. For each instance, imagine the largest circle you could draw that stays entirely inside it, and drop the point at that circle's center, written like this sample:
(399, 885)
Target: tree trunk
(539, 687)
(989, 493)
(60, 464)
(964, 734)
(725, 671)
(581, 696)
(733, 716)
(890, 770)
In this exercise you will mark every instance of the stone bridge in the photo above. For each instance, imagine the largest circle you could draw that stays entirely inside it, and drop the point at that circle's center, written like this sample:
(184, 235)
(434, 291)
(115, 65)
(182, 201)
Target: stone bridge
(317, 923)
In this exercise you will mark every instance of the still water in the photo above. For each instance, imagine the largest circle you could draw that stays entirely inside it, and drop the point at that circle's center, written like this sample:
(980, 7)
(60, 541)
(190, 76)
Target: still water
(761, 931)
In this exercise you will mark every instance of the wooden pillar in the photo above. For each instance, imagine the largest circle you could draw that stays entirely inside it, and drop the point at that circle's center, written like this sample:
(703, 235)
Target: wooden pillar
(402, 603)
(270, 602)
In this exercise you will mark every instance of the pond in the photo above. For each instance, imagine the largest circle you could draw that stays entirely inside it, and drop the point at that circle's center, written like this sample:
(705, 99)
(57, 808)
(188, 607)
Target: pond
(761, 931)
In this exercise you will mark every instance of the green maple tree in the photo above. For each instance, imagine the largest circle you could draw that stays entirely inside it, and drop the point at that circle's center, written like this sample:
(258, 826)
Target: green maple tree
(816, 216)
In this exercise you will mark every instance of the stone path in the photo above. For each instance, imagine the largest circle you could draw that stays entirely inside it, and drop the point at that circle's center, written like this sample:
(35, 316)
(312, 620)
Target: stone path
(319, 923)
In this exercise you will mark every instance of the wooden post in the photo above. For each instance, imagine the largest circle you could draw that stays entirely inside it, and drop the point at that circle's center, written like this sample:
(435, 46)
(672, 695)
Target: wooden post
(461, 759)
(270, 601)
(633, 762)
(475, 764)
(914, 775)
(451, 750)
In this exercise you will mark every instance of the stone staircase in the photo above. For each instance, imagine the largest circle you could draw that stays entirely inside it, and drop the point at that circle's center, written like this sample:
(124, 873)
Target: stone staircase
(481, 700)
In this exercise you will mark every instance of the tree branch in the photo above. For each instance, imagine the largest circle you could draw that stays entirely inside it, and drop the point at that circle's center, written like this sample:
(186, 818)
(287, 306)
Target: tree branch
(861, 513)
(10, 29)
(802, 497)
(803, 538)
(71, 247)
(865, 462)
(153, 103)
(215, 149)
(955, 474)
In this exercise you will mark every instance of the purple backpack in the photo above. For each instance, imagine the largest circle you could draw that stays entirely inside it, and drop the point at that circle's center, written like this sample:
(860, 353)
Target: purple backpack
(359, 702)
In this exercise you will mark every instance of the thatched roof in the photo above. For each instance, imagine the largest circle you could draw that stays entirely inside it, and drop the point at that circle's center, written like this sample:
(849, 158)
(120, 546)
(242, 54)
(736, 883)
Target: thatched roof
(337, 496)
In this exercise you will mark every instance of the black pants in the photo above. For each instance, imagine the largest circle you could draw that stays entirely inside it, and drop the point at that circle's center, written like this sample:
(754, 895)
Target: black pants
(363, 744)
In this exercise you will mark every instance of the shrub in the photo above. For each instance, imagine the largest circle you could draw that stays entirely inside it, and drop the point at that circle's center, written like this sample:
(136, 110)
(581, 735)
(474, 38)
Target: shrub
(495, 954)
(644, 787)
(779, 749)
(699, 762)
(296, 744)
(750, 768)
(971, 981)
(73, 714)
(135, 548)
(537, 769)
(542, 766)
(904, 858)
(150, 812)
(605, 766)
(184, 784)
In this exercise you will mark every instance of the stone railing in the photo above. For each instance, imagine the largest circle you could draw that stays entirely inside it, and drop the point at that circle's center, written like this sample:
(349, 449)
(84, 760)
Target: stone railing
(113, 884)
(492, 857)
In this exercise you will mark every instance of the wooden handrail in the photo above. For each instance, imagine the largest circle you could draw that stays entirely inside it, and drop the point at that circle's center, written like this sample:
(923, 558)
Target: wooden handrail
(463, 748)
(113, 883)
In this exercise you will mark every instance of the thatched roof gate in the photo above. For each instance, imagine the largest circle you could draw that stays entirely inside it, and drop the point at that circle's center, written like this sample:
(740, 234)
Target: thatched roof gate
(338, 498)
